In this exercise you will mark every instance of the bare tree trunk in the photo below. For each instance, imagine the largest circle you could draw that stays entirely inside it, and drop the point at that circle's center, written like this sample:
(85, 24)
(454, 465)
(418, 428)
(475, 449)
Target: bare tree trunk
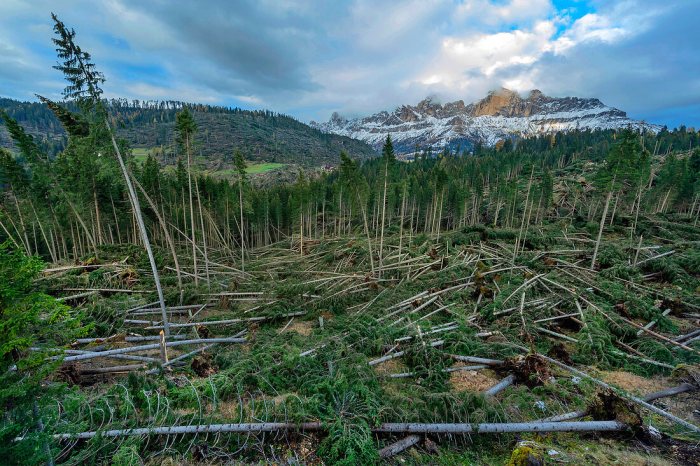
(142, 227)
(189, 186)
(27, 244)
(204, 234)
(403, 213)
(381, 239)
(522, 223)
(600, 230)
(49, 244)
(168, 237)
(617, 199)
(369, 239)
(301, 231)
(12, 238)
(240, 202)
(98, 223)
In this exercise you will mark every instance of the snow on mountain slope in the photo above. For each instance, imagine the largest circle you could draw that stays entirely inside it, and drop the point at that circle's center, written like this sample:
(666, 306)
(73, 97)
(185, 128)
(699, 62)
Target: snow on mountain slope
(500, 115)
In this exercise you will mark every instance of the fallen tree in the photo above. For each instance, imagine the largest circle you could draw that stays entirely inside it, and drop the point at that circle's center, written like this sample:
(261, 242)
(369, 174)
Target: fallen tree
(390, 427)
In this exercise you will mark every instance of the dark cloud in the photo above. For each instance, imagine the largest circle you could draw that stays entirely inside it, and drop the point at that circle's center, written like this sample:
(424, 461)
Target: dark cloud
(241, 47)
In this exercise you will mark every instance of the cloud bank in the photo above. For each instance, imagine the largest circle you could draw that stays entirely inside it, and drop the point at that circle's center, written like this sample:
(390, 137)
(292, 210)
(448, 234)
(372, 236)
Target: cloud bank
(310, 58)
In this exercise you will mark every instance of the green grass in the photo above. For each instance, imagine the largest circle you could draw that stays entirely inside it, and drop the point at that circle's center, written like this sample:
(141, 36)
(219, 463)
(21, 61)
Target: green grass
(251, 169)
(255, 168)
(140, 154)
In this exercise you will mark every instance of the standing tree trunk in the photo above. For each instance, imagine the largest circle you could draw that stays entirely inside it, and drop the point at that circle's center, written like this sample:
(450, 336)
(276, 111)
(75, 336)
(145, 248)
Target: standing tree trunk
(240, 202)
(381, 239)
(189, 185)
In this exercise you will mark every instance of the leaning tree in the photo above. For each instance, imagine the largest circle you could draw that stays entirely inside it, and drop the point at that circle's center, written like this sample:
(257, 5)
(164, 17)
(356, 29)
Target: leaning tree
(84, 88)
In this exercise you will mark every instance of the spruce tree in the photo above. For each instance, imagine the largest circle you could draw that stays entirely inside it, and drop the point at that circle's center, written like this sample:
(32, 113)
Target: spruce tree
(84, 86)
(240, 165)
(185, 129)
(388, 159)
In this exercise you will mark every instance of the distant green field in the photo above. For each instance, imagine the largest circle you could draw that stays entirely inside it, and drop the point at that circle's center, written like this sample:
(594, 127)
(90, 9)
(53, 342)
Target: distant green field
(140, 154)
(251, 169)
(263, 167)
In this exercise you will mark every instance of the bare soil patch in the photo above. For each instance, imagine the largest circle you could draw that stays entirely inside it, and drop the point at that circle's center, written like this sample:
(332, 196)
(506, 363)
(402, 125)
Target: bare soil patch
(302, 327)
(472, 381)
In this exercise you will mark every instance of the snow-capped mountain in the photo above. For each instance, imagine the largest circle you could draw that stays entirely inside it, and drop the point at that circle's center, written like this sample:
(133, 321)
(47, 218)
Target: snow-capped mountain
(500, 115)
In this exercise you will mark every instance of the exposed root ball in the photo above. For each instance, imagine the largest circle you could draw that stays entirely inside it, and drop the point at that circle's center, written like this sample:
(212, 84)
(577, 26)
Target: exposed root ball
(531, 370)
(608, 406)
(560, 353)
(688, 373)
(69, 373)
(202, 366)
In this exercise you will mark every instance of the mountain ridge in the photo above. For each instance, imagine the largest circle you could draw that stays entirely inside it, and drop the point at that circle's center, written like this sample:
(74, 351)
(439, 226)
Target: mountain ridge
(260, 135)
(502, 114)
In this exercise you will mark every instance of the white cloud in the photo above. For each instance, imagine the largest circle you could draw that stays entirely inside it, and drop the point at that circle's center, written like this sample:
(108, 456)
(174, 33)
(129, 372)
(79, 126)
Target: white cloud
(513, 11)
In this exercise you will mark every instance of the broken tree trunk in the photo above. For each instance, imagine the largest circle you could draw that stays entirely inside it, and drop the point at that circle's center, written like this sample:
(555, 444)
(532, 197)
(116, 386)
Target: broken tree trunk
(638, 401)
(418, 428)
(500, 386)
(600, 230)
(153, 346)
(397, 447)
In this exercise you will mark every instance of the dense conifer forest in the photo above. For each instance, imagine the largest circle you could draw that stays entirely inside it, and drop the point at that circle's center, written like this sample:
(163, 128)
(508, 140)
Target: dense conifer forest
(260, 135)
(526, 303)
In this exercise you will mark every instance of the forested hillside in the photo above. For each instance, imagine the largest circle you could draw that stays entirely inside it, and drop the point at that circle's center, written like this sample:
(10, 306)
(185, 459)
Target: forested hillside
(259, 135)
(536, 302)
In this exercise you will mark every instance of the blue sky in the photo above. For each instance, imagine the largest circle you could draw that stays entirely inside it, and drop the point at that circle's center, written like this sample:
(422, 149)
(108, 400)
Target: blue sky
(311, 58)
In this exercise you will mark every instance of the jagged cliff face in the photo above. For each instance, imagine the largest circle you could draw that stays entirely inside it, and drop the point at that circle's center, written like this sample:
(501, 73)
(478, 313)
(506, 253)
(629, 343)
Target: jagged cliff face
(500, 115)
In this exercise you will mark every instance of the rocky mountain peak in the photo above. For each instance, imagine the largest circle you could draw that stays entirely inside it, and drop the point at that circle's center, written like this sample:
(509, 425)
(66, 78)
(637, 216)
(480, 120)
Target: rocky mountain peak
(502, 114)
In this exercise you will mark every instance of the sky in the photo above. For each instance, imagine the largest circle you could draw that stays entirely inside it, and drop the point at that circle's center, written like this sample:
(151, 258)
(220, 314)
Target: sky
(309, 59)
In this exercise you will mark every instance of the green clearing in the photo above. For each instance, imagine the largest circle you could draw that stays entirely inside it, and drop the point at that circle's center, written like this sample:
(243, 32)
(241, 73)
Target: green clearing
(251, 169)
(256, 168)
(140, 154)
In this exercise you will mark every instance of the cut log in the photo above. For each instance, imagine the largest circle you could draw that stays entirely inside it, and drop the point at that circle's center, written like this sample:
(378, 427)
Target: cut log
(228, 321)
(109, 370)
(398, 354)
(499, 428)
(686, 387)
(653, 322)
(682, 388)
(680, 338)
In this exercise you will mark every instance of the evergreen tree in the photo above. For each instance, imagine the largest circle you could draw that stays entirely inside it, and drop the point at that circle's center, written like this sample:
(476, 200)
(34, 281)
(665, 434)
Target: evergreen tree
(84, 85)
(28, 319)
(239, 162)
(185, 128)
(388, 159)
